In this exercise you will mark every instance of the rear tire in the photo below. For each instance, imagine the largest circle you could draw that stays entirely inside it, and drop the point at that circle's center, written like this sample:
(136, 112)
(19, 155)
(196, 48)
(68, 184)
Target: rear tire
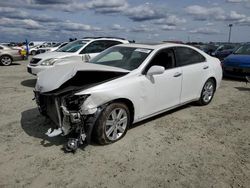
(207, 92)
(5, 60)
(112, 124)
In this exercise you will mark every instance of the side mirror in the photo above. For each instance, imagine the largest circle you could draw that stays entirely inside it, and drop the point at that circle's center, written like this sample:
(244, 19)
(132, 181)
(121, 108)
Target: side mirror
(154, 70)
(86, 58)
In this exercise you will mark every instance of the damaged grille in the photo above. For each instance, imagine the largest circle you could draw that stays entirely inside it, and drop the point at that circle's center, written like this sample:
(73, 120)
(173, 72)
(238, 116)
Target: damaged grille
(48, 106)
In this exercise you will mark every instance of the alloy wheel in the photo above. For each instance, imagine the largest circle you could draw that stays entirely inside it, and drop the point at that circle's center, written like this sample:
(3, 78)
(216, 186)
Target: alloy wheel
(6, 60)
(208, 91)
(116, 124)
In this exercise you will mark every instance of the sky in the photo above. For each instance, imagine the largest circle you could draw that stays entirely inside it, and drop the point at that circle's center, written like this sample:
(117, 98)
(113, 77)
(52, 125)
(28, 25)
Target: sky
(139, 20)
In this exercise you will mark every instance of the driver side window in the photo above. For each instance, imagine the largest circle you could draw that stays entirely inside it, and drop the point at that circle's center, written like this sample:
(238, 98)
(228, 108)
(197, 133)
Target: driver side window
(164, 58)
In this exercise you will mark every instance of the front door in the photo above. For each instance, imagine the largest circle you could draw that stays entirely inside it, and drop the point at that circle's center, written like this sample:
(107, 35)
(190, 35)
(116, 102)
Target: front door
(162, 91)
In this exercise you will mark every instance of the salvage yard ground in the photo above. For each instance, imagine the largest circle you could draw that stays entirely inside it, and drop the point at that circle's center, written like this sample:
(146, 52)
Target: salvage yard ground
(192, 146)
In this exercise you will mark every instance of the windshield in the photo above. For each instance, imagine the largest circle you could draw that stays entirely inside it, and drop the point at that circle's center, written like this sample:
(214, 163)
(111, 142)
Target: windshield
(243, 50)
(122, 57)
(72, 46)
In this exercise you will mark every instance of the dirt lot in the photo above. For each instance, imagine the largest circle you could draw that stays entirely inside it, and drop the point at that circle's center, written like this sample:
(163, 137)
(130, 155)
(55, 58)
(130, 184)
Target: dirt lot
(189, 147)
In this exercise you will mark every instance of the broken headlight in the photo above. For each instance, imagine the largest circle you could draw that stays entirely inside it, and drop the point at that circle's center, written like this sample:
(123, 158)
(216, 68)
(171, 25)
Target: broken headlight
(74, 102)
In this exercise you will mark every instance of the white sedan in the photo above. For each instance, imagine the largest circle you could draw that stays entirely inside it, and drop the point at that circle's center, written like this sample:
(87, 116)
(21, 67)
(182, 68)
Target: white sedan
(123, 85)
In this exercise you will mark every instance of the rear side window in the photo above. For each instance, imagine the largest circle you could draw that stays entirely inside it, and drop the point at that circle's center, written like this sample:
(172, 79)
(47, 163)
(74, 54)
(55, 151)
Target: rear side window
(188, 56)
(98, 46)
(93, 47)
(110, 43)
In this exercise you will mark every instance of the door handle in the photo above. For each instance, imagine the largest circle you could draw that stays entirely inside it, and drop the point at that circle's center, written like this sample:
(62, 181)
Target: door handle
(177, 74)
(206, 67)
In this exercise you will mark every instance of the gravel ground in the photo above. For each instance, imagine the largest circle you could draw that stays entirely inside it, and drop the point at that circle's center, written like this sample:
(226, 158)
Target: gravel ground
(191, 146)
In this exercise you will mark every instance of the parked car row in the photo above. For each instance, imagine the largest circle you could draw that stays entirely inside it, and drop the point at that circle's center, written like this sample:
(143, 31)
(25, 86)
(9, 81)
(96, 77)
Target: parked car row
(224, 50)
(219, 51)
(100, 86)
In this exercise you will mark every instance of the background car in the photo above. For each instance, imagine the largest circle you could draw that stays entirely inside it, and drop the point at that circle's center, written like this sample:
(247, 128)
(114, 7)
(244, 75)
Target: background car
(8, 55)
(221, 55)
(52, 48)
(33, 50)
(224, 50)
(238, 64)
(77, 50)
(32, 44)
(208, 48)
(124, 84)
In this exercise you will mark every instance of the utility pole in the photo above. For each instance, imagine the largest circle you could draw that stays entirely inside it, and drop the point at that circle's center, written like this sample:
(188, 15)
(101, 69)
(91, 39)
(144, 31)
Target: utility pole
(230, 29)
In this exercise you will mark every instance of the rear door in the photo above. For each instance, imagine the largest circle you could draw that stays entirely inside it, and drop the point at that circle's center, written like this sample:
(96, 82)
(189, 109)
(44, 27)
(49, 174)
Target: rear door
(195, 69)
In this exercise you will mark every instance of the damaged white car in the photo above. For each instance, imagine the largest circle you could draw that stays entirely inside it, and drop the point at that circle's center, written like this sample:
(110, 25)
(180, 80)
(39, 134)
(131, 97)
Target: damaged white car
(123, 85)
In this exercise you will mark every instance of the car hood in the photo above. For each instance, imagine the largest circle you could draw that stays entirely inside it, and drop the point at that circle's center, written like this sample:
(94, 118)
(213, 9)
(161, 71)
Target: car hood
(51, 79)
(235, 59)
(53, 55)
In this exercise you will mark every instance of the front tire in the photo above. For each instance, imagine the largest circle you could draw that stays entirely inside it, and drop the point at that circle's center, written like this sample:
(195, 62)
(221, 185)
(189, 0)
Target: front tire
(112, 124)
(5, 60)
(207, 92)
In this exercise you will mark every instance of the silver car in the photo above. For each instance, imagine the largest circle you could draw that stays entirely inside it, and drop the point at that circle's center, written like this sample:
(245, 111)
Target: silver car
(8, 55)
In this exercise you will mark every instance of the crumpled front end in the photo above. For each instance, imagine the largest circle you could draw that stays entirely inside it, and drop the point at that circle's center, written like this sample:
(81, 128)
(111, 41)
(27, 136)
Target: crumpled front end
(68, 117)
(65, 107)
(65, 111)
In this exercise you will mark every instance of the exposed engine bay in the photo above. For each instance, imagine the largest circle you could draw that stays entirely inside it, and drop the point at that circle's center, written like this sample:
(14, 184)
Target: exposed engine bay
(66, 109)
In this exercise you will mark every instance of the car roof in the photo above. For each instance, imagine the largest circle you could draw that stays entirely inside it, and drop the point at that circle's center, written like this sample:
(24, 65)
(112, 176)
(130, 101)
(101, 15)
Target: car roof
(90, 39)
(153, 46)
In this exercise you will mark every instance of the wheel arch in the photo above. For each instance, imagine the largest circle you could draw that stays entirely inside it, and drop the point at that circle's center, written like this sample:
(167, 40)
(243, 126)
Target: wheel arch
(93, 126)
(214, 79)
(129, 104)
